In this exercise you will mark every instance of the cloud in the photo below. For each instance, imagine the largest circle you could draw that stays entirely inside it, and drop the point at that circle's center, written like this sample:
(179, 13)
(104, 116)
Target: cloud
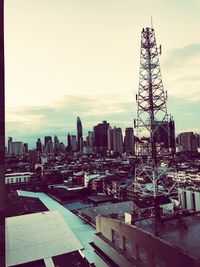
(31, 122)
(182, 55)
(182, 72)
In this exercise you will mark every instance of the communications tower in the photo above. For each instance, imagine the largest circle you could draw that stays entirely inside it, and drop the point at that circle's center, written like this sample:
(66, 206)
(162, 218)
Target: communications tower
(154, 128)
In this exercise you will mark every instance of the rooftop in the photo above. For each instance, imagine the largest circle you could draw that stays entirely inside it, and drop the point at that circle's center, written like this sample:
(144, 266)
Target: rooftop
(111, 209)
(84, 232)
(183, 233)
(28, 238)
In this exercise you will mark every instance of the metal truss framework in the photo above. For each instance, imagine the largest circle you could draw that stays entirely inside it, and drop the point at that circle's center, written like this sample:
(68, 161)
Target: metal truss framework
(152, 123)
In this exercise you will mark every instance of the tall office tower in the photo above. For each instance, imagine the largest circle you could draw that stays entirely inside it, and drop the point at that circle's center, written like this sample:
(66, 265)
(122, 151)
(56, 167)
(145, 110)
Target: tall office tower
(69, 143)
(47, 139)
(90, 139)
(117, 140)
(101, 137)
(152, 121)
(49, 147)
(110, 139)
(198, 139)
(9, 145)
(129, 141)
(17, 148)
(73, 143)
(55, 144)
(39, 145)
(25, 148)
(187, 142)
(89, 146)
(79, 135)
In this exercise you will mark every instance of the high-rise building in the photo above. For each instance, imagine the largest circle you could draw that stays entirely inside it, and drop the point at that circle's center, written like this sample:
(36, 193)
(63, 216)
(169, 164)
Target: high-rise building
(79, 135)
(55, 144)
(25, 148)
(101, 136)
(198, 139)
(48, 144)
(16, 148)
(110, 139)
(39, 145)
(69, 143)
(89, 144)
(129, 142)
(90, 139)
(49, 147)
(47, 139)
(73, 143)
(9, 145)
(187, 142)
(117, 140)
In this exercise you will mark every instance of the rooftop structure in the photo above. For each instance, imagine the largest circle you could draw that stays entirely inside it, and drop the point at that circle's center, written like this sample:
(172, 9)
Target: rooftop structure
(120, 244)
(28, 238)
(84, 232)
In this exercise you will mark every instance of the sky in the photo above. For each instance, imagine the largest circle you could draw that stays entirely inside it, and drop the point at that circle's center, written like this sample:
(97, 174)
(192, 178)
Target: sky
(70, 58)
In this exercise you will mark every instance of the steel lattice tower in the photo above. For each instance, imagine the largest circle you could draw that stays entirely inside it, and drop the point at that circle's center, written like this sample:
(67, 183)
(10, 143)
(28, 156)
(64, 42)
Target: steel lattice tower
(152, 123)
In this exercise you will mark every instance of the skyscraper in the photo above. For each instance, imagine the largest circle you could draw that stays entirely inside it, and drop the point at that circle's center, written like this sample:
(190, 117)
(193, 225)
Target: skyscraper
(17, 148)
(129, 142)
(73, 143)
(187, 142)
(48, 144)
(56, 144)
(47, 139)
(39, 145)
(25, 148)
(69, 143)
(110, 138)
(79, 135)
(117, 140)
(101, 136)
(9, 145)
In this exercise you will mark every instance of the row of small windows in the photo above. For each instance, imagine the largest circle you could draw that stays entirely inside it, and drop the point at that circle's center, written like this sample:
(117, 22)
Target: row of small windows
(17, 180)
(142, 255)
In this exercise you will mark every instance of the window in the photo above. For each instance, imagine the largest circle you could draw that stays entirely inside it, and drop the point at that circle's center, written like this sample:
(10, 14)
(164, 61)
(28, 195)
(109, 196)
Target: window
(11, 180)
(127, 246)
(20, 180)
(115, 237)
(17, 180)
(24, 179)
(8, 181)
(193, 201)
(142, 255)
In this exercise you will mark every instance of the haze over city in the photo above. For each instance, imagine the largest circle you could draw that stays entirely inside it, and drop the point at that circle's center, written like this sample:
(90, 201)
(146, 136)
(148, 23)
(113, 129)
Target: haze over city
(65, 59)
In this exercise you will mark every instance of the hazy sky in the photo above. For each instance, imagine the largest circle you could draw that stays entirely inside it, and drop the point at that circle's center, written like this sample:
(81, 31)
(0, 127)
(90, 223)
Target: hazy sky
(69, 58)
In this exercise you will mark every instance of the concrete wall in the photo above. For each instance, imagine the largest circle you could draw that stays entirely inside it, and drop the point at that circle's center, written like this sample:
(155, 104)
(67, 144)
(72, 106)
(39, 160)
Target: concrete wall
(154, 247)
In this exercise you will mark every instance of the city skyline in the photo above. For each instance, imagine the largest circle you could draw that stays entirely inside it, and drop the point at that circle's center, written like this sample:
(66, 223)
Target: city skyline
(64, 64)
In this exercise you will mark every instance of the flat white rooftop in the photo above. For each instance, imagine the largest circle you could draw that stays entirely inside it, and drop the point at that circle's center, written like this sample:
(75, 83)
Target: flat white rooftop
(38, 236)
(83, 231)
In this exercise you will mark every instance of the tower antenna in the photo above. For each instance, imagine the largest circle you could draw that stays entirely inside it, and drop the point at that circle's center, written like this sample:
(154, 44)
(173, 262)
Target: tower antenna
(151, 22)
(153, 131)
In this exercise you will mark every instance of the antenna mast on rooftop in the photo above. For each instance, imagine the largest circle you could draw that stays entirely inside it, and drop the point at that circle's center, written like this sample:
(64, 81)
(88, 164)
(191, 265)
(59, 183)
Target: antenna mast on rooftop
(153, 125)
